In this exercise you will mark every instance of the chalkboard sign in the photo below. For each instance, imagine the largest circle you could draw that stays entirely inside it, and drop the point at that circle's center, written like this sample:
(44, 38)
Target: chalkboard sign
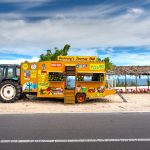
(70, 70)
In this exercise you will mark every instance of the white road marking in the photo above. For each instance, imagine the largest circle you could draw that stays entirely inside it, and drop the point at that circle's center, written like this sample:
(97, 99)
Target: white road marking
(76, 140)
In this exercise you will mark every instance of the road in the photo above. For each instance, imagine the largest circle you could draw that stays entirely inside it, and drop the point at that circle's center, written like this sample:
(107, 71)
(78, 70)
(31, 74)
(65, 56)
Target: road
(75, 131)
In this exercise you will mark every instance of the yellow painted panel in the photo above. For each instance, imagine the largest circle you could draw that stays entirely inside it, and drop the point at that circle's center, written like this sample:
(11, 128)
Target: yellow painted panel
(109, 92)
(92, 89)
(29, 77)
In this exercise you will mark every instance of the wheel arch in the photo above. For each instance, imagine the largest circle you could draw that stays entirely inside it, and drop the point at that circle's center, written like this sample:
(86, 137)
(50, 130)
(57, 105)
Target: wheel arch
(81, 93)
(3, 80)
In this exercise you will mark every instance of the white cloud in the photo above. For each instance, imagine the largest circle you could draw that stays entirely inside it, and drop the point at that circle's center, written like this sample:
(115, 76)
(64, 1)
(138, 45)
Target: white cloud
(82, 28)
(22, 1)
(18, 61)
(78, 32)
(83, 52)
(10, 16)
(87, 12)
(129, 59)
(137, 11)
(122, 58)
(26, 4)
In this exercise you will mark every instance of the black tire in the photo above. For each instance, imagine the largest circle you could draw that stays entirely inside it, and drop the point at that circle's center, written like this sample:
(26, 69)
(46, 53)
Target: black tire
(10, 91)
(80, 98)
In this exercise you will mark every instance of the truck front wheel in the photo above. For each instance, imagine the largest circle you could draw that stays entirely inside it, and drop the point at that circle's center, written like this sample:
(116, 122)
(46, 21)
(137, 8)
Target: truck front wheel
(9, 91)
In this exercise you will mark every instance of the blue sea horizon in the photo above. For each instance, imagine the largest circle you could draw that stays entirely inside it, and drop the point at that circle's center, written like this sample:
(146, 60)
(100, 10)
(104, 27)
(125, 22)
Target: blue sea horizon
(140, 82)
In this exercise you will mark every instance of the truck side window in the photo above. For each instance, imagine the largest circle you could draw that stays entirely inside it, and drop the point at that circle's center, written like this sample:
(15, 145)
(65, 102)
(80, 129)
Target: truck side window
(18, 72)
(95, 77)
(10, 73)
(1, 72)
(98, 77)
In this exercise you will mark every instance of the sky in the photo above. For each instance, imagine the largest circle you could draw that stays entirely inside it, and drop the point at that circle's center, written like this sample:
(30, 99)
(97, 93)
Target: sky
(119, 29)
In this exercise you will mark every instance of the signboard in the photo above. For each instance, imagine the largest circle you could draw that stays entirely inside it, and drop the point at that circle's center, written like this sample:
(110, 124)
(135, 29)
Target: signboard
(76, 58)
(97, 67)
(56, 65)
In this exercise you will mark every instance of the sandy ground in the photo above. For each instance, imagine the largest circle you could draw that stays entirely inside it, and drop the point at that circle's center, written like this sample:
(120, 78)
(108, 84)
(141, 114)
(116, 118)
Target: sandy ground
(112, 103)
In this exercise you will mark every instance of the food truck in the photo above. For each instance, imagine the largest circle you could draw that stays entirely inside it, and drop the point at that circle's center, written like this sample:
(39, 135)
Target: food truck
(74, 78)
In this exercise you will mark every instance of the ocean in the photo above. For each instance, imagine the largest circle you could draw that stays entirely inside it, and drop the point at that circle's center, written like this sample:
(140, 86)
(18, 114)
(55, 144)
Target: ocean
(140, 82)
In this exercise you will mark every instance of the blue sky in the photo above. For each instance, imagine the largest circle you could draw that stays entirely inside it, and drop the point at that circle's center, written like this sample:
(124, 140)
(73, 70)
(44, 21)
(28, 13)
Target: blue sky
(119, 29)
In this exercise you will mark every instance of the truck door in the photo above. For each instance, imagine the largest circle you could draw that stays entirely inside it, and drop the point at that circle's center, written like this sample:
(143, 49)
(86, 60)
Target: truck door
(70, 84)
(70, 77)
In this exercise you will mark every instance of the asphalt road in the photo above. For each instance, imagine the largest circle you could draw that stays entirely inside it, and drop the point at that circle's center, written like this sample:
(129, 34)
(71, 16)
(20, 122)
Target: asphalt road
(119, 131)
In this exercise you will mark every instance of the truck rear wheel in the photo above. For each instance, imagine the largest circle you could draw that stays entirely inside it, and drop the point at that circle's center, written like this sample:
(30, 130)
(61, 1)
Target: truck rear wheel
(9, 91)
(80, 98)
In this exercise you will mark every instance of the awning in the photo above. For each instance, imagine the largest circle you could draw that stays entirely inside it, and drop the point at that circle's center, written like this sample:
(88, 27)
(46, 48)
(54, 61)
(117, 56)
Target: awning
(91, 72)
(56, 71)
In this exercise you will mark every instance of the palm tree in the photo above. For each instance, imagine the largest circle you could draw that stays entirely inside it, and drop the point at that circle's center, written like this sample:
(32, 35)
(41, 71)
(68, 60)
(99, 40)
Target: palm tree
(108, 64)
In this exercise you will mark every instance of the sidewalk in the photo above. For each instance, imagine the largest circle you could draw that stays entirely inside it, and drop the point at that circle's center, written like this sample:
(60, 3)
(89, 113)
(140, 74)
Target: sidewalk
(112, 103)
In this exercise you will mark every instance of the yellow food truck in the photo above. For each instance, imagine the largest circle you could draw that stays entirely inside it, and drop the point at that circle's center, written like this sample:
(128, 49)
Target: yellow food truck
(74, 78)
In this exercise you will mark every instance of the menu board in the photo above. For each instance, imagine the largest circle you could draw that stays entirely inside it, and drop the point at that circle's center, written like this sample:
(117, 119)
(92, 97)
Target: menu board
(70, 70)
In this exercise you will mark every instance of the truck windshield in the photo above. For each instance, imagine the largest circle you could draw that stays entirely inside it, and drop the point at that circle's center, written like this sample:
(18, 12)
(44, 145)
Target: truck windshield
(1, 72)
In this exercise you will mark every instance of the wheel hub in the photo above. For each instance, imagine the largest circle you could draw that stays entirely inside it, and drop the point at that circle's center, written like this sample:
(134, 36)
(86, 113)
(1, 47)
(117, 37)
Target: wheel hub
(80, 99)
(8, 92)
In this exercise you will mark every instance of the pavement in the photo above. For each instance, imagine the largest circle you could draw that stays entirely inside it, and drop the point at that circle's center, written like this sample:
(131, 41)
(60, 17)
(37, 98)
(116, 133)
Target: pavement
(111, 103)
(75, 131)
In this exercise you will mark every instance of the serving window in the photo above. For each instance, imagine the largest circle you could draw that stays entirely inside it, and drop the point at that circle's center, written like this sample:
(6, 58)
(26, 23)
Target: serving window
(90, 77)
(56, 76)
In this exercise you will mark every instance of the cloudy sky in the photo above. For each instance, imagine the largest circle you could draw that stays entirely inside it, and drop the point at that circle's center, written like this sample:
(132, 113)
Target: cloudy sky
(119, 29)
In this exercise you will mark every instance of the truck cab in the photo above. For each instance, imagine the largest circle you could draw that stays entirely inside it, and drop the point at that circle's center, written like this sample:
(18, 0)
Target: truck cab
(9, 72)
(9, 82)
